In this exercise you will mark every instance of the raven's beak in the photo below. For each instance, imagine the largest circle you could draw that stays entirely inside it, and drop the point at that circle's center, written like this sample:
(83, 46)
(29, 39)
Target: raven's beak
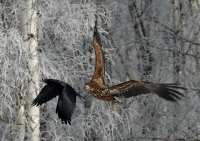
(80, 96)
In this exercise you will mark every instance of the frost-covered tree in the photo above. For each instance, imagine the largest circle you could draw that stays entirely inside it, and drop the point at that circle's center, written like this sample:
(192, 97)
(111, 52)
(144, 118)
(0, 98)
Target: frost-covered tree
(155, 40)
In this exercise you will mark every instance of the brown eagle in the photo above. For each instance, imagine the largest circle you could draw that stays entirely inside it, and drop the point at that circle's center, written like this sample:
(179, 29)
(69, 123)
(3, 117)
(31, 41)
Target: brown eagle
(127, 89)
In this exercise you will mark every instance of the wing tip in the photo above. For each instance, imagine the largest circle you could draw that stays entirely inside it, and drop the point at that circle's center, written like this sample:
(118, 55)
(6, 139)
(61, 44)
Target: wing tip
(170, 92)
(35, 103)
(95, 27)
(65, 112)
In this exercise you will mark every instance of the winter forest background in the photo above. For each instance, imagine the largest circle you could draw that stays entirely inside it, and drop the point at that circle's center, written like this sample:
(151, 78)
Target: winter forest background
(154, 40)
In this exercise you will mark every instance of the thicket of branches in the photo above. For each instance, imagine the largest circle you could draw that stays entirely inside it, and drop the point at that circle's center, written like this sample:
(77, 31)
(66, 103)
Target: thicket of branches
(154, 40)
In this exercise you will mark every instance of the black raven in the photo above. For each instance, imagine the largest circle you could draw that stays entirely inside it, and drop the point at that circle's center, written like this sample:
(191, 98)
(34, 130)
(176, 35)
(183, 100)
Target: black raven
(66, 101)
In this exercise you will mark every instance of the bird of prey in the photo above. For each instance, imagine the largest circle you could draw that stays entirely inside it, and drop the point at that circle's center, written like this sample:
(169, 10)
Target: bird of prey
(127, 89)
(66, 101)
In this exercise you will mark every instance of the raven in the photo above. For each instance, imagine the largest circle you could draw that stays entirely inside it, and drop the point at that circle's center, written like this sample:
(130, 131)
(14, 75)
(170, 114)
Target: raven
(66, 101)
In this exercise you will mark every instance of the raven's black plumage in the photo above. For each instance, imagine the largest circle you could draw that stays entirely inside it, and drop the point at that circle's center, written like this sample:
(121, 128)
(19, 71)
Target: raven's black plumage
(66, 101)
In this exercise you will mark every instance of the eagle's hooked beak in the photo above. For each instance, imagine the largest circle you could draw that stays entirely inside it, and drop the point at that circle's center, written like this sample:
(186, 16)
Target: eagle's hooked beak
(87, 87)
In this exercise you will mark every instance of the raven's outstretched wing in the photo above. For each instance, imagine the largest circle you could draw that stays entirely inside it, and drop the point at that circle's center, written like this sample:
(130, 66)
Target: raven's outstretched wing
(46, 94)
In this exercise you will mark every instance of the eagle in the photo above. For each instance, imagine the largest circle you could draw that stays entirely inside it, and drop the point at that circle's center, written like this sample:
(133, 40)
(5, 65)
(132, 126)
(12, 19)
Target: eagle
(66, 101)
(127, 89)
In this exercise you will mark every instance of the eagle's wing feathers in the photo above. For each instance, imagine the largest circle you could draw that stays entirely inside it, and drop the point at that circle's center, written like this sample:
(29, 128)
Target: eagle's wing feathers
(134, 88)
(99, 66)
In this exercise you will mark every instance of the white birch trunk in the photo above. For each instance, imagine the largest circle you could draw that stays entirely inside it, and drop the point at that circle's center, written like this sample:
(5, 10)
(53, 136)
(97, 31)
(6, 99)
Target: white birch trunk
(195, 8)
(186, 58)
(176, 63)
(176, 15)
(21, 133)
(29, 31)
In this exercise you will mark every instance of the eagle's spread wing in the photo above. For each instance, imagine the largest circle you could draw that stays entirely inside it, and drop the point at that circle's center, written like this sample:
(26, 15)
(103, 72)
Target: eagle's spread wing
(66, 104)
(135, 87)
(46, 94)
(99, 66)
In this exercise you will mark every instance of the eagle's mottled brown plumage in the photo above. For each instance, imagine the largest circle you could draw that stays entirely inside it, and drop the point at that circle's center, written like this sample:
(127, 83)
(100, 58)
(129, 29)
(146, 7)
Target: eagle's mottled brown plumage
(127, 89)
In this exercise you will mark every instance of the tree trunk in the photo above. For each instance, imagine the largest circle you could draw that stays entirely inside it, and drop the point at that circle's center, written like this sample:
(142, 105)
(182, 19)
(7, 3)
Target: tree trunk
(21, 133)
(176, 52)
(195, 12)
(29, 17)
